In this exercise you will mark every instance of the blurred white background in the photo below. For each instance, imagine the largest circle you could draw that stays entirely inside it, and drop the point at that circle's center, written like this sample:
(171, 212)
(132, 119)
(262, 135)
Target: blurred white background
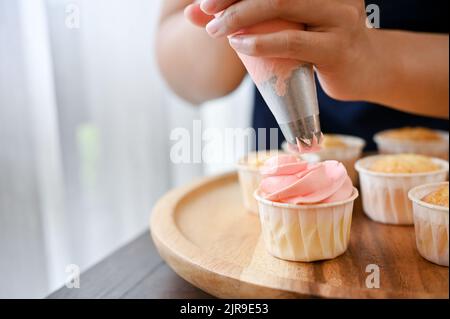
(85, 121)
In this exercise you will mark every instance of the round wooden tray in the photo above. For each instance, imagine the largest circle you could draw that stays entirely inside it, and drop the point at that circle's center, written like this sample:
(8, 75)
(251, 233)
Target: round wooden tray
(204, 233)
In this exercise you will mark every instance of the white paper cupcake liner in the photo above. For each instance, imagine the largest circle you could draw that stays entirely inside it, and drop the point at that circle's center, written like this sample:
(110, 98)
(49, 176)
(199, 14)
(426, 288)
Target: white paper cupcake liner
(387, 145)
(385, 196)
(346, 155)
(431, 225)
(249, 181)
(250, 178)
(306, 233)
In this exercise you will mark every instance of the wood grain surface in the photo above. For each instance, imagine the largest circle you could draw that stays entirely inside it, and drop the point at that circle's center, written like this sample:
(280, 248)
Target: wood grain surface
(135, 271)
(207, 237)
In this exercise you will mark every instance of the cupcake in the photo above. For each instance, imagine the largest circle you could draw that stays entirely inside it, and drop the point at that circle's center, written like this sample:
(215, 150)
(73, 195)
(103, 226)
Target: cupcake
(342, 148)
(305, 209)
(417, 140)
(430, 205)
(385, 181)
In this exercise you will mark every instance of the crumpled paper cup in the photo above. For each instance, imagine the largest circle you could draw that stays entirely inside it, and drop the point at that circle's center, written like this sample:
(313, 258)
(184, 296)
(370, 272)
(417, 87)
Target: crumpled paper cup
(306, 233)
(430, 224)
(385, 195)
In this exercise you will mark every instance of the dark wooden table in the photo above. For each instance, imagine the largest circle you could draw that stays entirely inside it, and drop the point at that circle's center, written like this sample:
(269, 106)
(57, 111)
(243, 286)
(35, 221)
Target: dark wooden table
(135, 271)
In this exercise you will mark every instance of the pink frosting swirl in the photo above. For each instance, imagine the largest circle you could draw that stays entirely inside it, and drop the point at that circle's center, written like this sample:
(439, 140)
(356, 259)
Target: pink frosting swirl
(287, 179)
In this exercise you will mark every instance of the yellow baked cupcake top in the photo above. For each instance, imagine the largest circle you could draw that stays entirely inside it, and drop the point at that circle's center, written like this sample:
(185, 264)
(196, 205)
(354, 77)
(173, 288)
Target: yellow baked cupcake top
(333, 141)
(413, 133)
(439, 197)
(404, 163)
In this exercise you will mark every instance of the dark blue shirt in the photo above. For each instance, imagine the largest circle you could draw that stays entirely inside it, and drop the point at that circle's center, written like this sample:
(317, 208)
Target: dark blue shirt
(366, 119)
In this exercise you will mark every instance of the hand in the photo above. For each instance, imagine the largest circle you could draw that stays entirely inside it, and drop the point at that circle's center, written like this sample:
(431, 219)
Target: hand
(336, 40)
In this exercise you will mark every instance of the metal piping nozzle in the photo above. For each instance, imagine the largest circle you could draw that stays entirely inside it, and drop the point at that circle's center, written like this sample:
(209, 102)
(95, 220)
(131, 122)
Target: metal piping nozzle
(297, 111)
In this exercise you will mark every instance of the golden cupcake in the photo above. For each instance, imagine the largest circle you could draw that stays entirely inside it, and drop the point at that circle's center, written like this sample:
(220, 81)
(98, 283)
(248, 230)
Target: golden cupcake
(404, 164)
(417, 140)
(333, 141)
(385, 181)
(413, 134)
(430, 206)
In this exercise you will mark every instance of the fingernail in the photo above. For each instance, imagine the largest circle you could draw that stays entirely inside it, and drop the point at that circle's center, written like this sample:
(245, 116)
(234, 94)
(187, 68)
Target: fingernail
(208, 6)
(236, 42)
(214, 28)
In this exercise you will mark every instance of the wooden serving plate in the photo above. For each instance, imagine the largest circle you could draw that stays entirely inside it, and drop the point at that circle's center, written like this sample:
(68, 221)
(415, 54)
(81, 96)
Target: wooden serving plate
(204, 233)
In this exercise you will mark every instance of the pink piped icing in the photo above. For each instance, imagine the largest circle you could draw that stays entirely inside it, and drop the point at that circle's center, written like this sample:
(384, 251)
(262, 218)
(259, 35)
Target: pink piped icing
(287, 179)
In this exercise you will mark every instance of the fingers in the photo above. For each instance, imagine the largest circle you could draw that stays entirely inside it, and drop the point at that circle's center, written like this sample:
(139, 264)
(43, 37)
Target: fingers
(196, 16)
(215, 6)
(247, 13)
(306, 46)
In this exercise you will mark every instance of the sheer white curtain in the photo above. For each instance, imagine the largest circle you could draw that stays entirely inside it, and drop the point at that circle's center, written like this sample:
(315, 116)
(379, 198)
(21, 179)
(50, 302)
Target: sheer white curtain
(85, 122)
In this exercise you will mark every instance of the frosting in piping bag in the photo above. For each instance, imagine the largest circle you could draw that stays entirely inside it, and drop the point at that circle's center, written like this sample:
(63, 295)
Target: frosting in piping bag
(262, 69)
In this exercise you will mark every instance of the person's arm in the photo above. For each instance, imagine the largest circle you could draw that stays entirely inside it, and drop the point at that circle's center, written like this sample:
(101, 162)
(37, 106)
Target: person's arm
(413, 73)
(403, 70)
(195, 66)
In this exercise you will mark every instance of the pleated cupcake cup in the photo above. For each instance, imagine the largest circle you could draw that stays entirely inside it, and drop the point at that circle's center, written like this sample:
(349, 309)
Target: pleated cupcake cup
(250, 177)
(346, 155)
(306, 233)
(431, 225)
(389, 145)
(385, 195)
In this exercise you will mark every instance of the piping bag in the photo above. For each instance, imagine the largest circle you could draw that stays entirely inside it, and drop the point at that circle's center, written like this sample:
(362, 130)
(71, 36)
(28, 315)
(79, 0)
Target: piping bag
(289, 89)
